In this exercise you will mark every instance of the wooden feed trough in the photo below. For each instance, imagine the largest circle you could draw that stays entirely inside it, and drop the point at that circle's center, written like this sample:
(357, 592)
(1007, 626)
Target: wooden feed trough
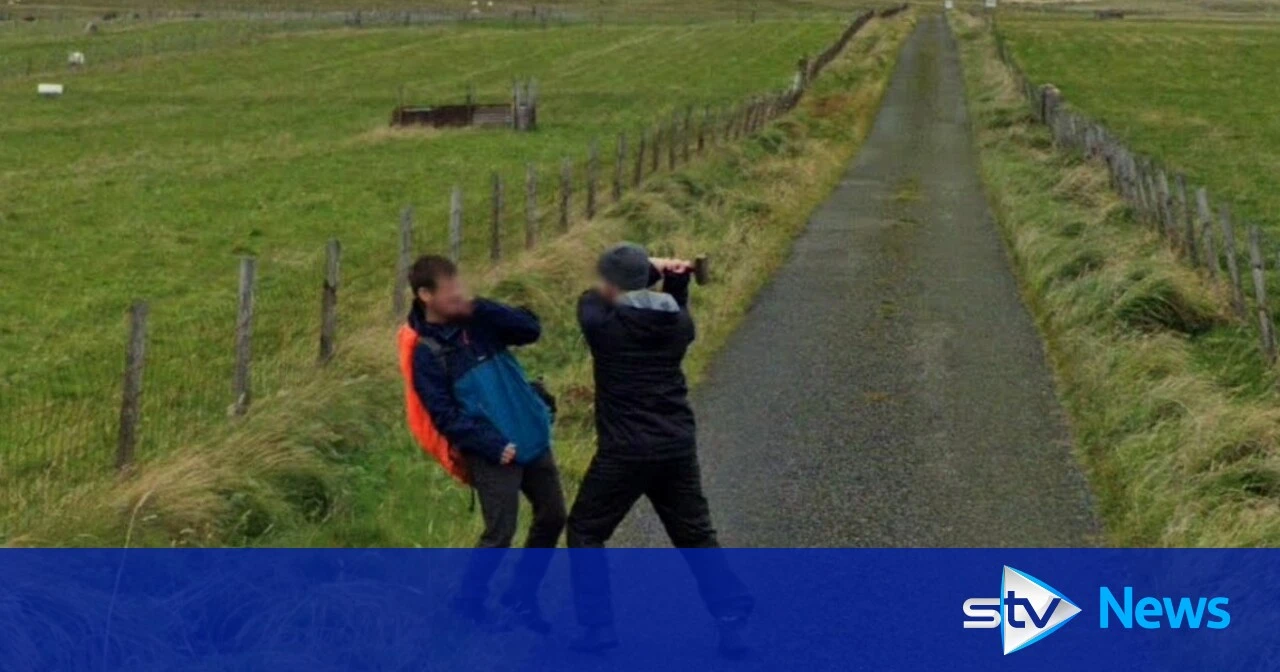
(520, 114)
(452, 116)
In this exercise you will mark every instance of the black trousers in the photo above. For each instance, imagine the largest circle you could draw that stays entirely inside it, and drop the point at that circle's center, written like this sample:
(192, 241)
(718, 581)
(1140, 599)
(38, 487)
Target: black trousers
(609, 490)
(498, 488)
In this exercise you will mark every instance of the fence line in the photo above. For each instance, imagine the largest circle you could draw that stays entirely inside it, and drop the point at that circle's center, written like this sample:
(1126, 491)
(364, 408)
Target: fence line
(685, 136)
(1157, 201)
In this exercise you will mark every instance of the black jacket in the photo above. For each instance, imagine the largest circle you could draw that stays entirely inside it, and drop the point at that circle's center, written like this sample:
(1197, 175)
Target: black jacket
(637, 346)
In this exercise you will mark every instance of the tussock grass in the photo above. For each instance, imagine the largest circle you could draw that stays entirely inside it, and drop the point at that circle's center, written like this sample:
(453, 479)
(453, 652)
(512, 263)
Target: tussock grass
(1175, 418)
(328, 462)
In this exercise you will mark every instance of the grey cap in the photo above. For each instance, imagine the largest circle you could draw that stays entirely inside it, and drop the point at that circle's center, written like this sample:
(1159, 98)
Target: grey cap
(625, 265)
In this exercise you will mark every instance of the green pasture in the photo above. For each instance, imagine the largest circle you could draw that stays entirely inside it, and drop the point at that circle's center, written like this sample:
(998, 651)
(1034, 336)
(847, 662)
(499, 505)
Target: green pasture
(587, 10)
(1173, 408)
(151, 178)
(218, 166)
(1194, 94)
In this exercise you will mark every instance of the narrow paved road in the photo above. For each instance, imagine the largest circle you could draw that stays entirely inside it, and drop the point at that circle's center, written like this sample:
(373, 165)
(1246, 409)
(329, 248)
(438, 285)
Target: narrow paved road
(889, 388)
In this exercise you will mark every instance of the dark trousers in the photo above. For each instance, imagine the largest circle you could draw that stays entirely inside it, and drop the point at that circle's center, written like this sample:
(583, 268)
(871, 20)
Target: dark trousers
(609, 490)
(499, 487)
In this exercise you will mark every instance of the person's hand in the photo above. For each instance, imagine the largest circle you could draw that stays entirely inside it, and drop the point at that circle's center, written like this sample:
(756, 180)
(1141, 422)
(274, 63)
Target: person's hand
(508, 454)
(672, 266)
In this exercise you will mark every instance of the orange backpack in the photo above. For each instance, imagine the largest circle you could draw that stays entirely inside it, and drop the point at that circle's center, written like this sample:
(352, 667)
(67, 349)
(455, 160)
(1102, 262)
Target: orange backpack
(423, 429)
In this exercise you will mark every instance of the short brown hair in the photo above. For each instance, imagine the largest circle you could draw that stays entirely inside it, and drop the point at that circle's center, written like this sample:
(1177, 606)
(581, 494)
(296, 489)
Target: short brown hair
(428, 271)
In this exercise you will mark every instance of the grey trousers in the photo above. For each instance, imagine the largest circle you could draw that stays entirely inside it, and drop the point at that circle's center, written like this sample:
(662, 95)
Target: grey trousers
(498, 488)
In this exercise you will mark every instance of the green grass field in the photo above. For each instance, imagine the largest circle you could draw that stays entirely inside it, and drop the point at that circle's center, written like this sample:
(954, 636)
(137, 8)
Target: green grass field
(647, 11)
(154, 174)
(1187, 92)
(1184, 92)
(1174, 410)
(150, 181)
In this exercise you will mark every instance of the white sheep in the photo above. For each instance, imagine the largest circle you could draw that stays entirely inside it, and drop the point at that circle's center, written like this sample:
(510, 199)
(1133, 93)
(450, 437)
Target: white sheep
(75, 59)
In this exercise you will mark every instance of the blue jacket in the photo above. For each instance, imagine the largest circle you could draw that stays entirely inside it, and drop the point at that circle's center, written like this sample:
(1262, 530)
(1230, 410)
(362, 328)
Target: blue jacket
(475, 390)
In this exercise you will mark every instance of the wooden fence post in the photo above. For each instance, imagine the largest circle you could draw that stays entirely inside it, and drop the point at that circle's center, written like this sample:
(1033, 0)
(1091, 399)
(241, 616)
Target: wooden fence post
(530, 206)
(495, 230)
(455, 224)
(638, 175)
(1166, 210)
(657, 149)
(685, 132)
(398, 307)
(329, 300)
(1129, 187)
(1233, 264)
(1153, 196)
(1189, 224)
(242, 383)
(515, 104)
(672, 139)
(135, 357)
(702, 129)
(566, 191)
(619, 167)
(1144, 201)
(1131, 174)
(1258, 264)
(1206, 228)
(593, 167)
(531, 92)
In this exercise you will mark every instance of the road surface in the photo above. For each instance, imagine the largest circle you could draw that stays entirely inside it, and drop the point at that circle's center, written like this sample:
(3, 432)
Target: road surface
(888, 388)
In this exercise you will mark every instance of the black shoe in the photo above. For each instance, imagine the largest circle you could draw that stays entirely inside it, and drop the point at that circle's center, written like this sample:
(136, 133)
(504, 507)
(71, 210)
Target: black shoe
(732, 643)
(476, 613)
(527, 614)
(595, 639)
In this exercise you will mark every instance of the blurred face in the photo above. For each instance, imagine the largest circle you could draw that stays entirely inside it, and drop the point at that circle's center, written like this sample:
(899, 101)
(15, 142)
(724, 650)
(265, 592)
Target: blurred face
(450, 301)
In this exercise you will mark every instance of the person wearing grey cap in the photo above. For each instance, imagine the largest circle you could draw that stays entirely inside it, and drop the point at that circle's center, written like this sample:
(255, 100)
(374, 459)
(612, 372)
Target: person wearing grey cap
(646, 441)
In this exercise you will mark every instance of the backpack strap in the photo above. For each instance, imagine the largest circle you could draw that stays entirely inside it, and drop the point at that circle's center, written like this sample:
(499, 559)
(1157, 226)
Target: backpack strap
(438, 350)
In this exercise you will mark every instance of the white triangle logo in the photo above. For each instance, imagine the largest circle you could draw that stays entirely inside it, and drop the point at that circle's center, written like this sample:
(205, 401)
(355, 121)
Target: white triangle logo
(1030, 609)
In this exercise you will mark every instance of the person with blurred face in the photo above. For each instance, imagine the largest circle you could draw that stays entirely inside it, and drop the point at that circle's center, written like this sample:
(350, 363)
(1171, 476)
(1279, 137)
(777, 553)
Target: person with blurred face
(646, 441)
(480, 400)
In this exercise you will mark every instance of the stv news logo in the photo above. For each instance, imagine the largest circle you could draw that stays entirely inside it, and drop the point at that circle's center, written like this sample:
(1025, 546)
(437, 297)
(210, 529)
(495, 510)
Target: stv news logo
(1027, 610)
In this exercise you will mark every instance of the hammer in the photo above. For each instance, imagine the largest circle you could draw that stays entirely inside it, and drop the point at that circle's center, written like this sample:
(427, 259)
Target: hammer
(702, 269)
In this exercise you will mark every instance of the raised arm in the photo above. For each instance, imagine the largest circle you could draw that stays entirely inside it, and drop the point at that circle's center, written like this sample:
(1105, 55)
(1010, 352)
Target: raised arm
(677, 285)
(510, 325)
(466, 432)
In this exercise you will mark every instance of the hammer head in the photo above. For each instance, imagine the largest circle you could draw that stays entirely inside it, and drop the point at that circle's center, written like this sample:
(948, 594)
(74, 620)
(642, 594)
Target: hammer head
(701, 269)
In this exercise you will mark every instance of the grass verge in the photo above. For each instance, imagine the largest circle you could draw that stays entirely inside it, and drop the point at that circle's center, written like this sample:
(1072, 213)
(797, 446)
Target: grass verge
(1180, 446)
(328, 463)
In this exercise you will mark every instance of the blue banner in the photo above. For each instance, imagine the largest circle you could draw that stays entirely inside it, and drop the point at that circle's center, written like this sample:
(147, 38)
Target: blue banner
(909, 609)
